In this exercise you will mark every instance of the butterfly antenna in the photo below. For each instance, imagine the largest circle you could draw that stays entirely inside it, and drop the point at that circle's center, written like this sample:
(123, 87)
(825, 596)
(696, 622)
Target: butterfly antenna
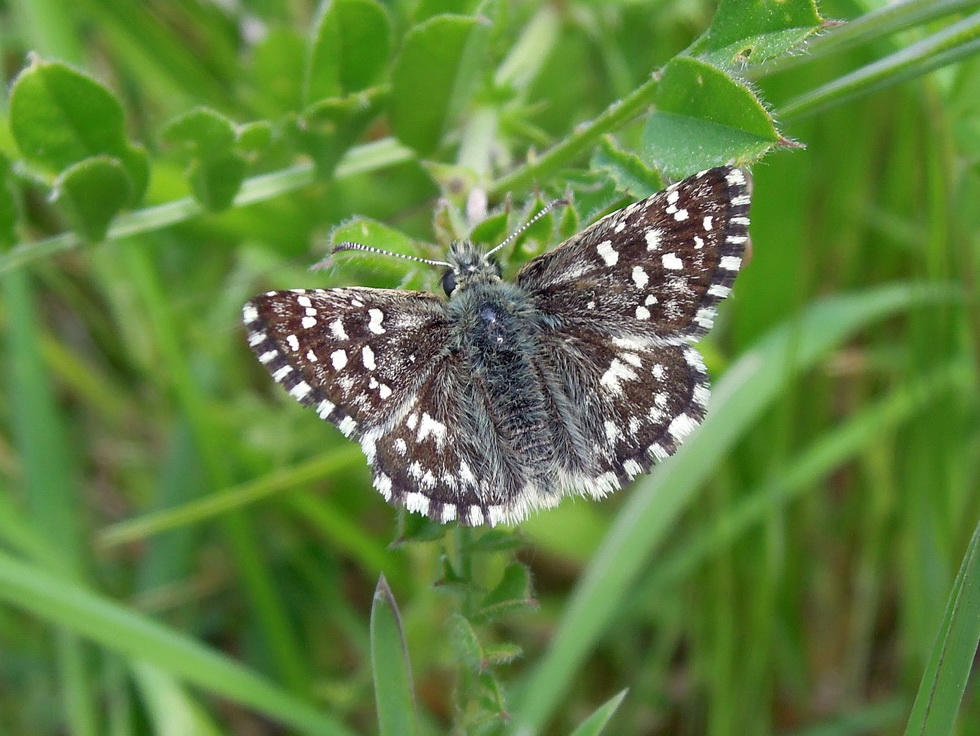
(348, 246)
(547, 208)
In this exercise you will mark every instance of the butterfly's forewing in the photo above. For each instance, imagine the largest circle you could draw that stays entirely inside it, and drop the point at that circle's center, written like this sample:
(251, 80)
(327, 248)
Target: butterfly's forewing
(353, 354)
(656, 268)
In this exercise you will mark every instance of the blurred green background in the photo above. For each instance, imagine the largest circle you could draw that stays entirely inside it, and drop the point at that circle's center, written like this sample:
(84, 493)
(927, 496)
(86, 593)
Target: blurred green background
(788, 574)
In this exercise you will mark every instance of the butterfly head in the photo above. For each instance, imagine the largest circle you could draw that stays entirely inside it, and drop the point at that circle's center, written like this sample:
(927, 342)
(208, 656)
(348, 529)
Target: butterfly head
(468, 265)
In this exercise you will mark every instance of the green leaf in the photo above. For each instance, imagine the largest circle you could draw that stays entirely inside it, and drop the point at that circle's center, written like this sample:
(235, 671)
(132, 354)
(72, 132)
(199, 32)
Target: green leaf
(93, 192)
(434, 76)
(758, 30)
(216, 180)
(948, 671)
(593, 725)
(681, 145)
(217, 166)
(202, 131)
(466, 642)
(429, 8)
(365, 231)
(503, 653)
(394, 694)
(705, 118)
(60, 117)
(495, 540)
(492, 696)
(255, 137)
(350, 50)
(329, 127)
(512, 592)
(630, 175)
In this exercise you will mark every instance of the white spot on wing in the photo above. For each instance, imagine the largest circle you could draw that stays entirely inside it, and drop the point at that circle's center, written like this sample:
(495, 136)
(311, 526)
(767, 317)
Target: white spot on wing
(337, 329)
(300, 390)
(632, 468)
(682, 426)
(640, 277)
(730, 263)
(617, 373)
(383, 483)
(249, 313)
(605, 250)
(735, 177)
(416, 502)
(671, 261)
(339, 359)
(308, 322)
(293, 342)
(367, 356)
(375, 324)
(431, 426)
(652, 237)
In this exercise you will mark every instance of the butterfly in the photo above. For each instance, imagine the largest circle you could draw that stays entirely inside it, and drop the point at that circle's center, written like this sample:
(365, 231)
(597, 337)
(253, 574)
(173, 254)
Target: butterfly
(506, 396)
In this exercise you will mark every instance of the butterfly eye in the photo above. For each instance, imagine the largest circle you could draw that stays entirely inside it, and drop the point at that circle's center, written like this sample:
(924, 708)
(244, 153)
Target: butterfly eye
(449, 282)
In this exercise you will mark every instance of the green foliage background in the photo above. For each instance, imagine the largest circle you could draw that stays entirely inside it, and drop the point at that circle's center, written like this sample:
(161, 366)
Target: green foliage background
(183, 549)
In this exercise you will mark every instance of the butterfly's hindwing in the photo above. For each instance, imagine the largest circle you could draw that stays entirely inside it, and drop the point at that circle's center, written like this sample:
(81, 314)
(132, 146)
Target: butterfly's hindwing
(660, 265)
(443, 456)
(634, 400)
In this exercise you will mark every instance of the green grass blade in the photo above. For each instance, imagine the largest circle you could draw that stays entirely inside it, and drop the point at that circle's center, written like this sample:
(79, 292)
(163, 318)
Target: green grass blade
(227, 500)
(50, 485)
(593, 725)
(749, 386)
(946, 676)
(119, 629)
(171, 710)
(393, 690)
(953, 43)
(804, 471)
